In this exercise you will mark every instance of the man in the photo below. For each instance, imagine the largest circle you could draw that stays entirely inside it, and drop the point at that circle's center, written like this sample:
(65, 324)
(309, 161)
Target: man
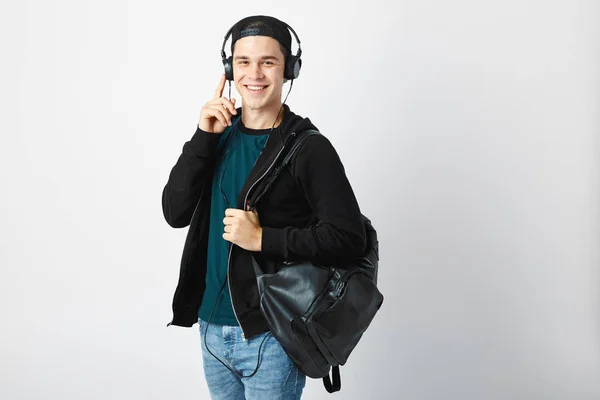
(310, 212)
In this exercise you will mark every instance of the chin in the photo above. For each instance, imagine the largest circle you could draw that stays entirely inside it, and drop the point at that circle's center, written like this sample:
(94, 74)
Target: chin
(256, 104)
(252, 104)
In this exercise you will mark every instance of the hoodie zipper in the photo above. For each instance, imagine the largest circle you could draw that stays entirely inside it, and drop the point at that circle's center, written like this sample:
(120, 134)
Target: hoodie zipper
(231, 245)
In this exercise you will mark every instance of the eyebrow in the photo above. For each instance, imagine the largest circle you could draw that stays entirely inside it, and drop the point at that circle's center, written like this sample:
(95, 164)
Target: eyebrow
(262, 58)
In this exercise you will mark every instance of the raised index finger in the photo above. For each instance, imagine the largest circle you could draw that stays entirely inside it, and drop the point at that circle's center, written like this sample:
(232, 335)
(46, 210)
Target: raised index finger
(219, 91)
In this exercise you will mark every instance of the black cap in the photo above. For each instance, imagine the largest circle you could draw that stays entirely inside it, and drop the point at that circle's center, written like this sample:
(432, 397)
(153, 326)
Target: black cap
(268, 26)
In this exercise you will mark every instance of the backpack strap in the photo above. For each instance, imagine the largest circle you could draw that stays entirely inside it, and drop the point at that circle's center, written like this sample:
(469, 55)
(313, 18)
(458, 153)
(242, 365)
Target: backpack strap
(337, 383)
(332, 384)
(302, 136)
(264, 187)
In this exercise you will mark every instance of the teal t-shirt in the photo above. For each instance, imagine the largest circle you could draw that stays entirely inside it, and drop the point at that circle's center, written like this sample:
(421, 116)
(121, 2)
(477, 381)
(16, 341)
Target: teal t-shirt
(241, 147)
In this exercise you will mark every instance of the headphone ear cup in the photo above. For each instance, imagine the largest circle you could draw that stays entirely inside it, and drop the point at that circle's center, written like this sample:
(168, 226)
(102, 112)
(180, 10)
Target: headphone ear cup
(228, 66)
(292, 67)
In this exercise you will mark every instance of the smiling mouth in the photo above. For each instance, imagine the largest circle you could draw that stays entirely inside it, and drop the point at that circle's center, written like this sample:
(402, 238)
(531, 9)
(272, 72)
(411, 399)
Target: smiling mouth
(255, 88)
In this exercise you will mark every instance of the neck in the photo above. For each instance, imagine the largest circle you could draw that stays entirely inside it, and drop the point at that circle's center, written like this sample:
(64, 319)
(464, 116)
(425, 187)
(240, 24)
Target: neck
(261, 119)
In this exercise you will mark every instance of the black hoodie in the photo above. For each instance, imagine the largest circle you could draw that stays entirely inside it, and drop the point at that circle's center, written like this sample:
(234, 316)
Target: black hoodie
(309, 213)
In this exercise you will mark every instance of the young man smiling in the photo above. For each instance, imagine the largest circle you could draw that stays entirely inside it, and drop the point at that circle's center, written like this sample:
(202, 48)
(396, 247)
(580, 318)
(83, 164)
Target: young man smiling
(310, 212)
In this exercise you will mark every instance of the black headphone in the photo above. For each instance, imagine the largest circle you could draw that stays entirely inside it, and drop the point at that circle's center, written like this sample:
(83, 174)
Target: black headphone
(292, 63)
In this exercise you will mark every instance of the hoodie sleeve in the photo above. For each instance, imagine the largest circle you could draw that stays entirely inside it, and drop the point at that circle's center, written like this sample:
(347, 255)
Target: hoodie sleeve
(340, 231)
(188, 177)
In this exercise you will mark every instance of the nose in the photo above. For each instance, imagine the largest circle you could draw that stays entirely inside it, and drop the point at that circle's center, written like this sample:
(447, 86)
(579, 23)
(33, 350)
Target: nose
(255, 71)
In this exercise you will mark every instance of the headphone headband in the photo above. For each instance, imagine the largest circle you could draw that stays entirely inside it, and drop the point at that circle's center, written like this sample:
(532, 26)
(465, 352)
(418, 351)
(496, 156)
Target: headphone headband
(298, 52)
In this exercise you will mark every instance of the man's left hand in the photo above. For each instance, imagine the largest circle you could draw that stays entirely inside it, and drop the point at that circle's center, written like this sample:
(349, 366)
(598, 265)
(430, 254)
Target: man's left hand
(243, 228)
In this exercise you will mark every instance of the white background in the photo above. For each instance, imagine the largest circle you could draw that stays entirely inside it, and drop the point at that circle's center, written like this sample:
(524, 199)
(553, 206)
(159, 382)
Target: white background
(469, 131)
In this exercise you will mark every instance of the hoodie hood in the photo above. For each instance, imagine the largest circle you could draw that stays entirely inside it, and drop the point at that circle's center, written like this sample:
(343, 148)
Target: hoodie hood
(294, 123)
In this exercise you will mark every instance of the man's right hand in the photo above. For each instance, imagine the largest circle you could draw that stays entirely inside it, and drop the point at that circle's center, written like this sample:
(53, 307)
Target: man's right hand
(215, 115)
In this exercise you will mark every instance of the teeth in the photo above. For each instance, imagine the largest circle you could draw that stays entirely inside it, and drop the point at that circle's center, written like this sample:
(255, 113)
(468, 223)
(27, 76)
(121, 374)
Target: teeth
(255, 87)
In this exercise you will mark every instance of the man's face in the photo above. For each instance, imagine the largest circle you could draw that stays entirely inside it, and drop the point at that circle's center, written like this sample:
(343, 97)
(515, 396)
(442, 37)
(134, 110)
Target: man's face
(258, 66)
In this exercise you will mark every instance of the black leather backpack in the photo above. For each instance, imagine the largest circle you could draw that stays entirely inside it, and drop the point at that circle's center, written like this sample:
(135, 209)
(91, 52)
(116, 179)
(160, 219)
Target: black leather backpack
(318, 313)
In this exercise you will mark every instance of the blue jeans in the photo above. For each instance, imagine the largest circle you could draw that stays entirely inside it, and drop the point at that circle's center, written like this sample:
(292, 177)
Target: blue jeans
(277, 377)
